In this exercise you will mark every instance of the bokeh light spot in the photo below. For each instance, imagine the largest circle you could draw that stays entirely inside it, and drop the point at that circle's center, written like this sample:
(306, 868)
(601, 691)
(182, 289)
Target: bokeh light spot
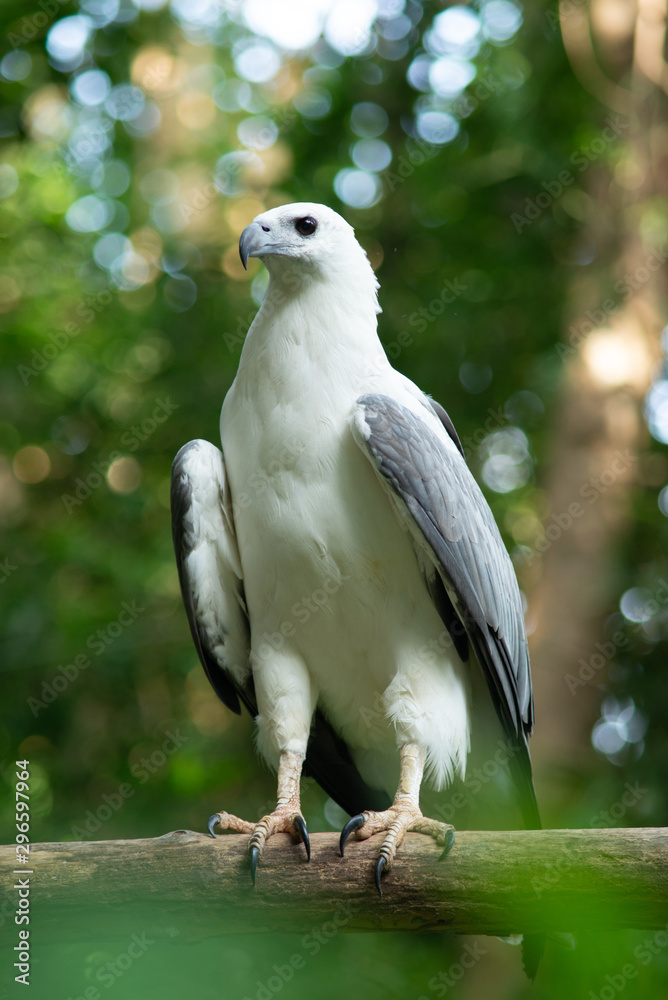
(67, 39)
(10, 293)
(455, 31)
(448, 76)
(257, 132)
(111, 178)
(368, 120)
(475, 378)
(371, 154)
(357, 188)
(656, 410)
(125, 102)
(437, 127)
(180, 292)
(230, 170)
(638, 605)
(31, 464)
(89, 214)
(196, 111)
(16, 65)
(91, 87)
(292, 26)
(259, 62)
(124, 475)
(507, 462)
(313, 102)
(9, 180)
(500, 20)
(348, 26)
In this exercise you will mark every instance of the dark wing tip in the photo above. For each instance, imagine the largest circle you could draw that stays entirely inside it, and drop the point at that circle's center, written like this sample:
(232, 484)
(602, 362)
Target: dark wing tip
(447, 511)
(181, 492)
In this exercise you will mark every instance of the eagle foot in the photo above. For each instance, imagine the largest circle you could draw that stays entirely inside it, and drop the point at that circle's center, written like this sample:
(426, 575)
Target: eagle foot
(286, 818)
(398, 820)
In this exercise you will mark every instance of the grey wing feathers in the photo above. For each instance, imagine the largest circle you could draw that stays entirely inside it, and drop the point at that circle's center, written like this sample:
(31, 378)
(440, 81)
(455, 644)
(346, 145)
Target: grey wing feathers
(450, 520)
(447, 424)
(210, 571)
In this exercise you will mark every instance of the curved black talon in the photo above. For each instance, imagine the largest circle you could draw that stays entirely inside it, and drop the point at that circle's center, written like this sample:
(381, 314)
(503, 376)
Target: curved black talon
(300, 827)
(380, 865)
(449, 841)
(254, 858)
(354, 823)
(211, 822)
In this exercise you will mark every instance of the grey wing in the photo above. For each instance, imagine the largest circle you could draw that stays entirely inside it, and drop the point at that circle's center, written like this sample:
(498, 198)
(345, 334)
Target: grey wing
(210, 571)
(469, 572)
(447, 424)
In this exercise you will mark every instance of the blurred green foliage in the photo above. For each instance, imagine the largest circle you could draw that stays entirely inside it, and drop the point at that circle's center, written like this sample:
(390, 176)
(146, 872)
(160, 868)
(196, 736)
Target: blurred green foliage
(107, 369)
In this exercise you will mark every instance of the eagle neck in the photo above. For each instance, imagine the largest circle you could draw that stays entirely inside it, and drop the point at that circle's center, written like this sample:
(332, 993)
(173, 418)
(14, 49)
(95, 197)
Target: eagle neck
(327, 324)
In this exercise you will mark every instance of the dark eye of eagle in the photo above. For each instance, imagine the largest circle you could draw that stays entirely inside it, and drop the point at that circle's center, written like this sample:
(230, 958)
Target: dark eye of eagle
(306, 227)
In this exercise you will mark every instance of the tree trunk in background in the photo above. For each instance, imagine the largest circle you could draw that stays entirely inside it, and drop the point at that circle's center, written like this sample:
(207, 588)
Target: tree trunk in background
(611, 348)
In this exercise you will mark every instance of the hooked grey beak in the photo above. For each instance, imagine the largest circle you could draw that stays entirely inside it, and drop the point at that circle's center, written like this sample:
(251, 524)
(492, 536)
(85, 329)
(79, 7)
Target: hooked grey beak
(256, 241)
(251, 240)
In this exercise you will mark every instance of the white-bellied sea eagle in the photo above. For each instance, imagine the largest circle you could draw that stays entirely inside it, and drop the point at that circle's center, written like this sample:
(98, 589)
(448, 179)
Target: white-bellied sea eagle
(317, 600)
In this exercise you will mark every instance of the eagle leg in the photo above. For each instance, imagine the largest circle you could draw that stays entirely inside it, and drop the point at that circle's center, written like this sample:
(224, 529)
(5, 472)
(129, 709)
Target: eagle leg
(286, 817)
(404, 815)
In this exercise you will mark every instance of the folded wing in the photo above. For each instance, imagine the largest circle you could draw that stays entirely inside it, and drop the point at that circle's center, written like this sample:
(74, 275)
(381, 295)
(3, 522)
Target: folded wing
(467, 569)
(210, 572)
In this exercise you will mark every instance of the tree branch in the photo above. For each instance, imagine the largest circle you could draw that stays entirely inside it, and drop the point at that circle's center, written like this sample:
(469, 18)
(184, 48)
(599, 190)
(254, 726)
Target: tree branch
(490, 883)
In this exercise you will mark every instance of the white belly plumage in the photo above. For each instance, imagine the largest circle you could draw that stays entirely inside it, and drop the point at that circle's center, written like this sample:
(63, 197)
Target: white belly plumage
(340, 614)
